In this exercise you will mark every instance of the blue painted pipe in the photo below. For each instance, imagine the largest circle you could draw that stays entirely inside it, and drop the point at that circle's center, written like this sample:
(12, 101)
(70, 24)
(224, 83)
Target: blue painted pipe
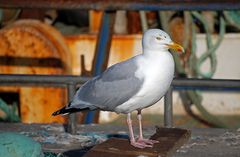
(103, 47)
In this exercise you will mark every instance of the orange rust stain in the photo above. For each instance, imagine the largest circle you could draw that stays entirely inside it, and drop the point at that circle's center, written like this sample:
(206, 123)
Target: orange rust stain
(95, 20)
(81, 45)
(122, 48)
(39, 108)
(74, 38)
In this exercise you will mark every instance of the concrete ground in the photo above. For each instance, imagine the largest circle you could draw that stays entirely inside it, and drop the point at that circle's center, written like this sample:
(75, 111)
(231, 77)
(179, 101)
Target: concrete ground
(203, 142)
(186, 121)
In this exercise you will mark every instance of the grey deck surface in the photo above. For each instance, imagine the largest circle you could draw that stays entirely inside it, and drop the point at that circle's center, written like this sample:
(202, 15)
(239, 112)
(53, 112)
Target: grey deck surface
(203, 142)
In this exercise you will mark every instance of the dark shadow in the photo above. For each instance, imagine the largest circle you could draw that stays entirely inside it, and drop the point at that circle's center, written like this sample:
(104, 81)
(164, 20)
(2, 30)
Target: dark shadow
(125, 136)
(82, 152)
(76, 152)
(31, 61)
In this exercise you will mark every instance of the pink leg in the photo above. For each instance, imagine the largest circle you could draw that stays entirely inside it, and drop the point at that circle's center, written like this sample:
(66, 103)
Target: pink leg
(131, 134)
(141, 139)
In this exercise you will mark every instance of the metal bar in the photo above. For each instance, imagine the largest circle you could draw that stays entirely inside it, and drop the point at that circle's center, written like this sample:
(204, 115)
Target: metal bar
(104, 41)
(206, 84)
(40, 80)
(63, 80)
(72, 124)
(168, 109)
(124, 4)
(72, 81)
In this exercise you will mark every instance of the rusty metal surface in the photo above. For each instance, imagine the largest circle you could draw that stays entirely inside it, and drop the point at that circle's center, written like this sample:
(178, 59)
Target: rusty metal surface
(84, 45)
(170, 139)
(31, 42)
(32, 47)
(125, 4)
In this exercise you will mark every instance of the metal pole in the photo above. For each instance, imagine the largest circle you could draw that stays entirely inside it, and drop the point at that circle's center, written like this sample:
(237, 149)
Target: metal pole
(104, 41)
(72, 117)
(168, 110)
(100, 61)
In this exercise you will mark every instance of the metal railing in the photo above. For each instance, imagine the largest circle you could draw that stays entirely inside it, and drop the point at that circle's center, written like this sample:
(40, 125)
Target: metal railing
(71, 82)
(195, 84)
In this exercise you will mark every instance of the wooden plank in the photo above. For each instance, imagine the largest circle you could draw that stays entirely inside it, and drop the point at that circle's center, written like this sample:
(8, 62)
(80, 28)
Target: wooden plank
(170, 139)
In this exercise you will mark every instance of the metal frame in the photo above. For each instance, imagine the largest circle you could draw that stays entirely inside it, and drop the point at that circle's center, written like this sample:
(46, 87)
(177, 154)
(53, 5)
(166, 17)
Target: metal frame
(102, 51)
(195, 84)
(124, 4)
(107, 5)
(71, 82)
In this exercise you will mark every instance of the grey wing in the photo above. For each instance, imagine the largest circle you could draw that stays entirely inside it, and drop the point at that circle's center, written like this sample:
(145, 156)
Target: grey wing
(114, 87)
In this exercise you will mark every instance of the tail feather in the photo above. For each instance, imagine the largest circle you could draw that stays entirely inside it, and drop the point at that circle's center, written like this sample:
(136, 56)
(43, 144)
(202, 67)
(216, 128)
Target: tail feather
(65, 110)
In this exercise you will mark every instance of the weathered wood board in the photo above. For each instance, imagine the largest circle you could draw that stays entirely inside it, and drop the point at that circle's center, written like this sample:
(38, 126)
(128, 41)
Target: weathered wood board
(170, 139)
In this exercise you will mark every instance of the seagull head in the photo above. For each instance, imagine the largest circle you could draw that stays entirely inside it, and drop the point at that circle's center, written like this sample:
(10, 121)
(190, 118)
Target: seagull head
(158, 40)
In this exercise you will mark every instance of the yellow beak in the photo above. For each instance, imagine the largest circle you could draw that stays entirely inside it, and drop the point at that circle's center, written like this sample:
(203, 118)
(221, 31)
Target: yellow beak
(176, 47)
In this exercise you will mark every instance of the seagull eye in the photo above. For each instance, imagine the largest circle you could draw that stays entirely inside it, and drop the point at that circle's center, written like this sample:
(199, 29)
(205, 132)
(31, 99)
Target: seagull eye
(158, 38)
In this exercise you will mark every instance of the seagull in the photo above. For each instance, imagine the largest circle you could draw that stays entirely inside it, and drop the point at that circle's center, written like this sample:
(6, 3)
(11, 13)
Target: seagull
(131, 85)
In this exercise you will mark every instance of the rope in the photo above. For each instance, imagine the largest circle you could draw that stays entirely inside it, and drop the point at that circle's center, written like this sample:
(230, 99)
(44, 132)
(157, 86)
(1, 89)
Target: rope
(233, 18)
(211, 48)
(195, 64)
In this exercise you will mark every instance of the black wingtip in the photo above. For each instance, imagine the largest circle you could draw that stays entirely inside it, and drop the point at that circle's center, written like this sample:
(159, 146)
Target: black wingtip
(61, 111)
(55, 113)
(65, 110)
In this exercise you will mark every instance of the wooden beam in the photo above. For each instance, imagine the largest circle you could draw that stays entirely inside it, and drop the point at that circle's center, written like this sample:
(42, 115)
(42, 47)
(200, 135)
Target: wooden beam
(170, 139)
